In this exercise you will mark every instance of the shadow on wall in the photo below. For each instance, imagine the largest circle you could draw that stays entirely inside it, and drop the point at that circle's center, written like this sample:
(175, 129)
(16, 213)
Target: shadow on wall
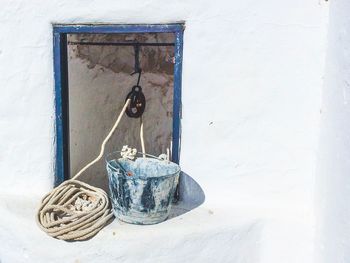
(191, 195)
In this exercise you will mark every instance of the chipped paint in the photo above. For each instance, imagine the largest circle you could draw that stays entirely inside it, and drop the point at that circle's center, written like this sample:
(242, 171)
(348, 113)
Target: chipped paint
(146, 196)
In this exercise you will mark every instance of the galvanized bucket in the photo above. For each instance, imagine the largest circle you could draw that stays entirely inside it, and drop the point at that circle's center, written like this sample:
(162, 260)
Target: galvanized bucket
(141, 190)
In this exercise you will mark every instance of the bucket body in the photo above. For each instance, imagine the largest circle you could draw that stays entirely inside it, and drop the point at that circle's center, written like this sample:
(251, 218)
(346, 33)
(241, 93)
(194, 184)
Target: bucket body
(141, 190)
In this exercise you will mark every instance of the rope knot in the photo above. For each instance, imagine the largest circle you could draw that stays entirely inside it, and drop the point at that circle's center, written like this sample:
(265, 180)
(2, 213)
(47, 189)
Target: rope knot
(128, 153)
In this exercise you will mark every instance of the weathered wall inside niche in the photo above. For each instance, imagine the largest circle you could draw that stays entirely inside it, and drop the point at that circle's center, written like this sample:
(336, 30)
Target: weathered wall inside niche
(119, 59)
(99, 80)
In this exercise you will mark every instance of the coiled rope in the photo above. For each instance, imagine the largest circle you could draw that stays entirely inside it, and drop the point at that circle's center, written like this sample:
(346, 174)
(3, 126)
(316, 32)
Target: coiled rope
(75, 210)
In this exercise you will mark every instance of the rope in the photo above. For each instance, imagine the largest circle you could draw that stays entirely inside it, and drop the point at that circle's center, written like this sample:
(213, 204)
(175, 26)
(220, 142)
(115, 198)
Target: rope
(128, 152)
(141, 137)
(104, 141)
(75, 210)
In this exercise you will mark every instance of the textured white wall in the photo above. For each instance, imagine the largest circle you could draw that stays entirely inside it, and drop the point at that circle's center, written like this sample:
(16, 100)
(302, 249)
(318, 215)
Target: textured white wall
(252, 79)
(333, 179)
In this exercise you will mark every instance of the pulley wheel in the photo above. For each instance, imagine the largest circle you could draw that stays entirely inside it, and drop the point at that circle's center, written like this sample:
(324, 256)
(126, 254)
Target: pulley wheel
(137, 103)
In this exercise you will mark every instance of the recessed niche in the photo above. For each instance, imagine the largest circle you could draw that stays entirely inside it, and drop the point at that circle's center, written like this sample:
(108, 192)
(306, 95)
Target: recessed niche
(99, 79)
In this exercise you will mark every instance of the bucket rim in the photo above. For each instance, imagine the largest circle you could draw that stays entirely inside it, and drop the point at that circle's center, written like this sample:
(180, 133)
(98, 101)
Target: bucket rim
(178, 170)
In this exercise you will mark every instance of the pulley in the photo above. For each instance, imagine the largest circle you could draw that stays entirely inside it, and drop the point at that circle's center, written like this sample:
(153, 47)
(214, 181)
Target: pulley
(137, 103)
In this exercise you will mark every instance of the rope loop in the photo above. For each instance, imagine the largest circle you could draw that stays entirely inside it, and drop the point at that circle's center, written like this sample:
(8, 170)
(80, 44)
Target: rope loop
(75, 210)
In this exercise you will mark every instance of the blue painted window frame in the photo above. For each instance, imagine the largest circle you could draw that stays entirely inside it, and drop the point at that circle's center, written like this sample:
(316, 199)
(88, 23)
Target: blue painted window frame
(60, 32)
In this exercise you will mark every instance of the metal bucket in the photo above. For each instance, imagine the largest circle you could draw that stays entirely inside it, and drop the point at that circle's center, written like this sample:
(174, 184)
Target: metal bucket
(141, 190)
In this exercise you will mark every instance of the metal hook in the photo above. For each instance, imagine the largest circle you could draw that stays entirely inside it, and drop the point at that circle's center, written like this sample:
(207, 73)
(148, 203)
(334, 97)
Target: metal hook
(139, 77)
(137, 68)
(138, 102)
(137, 58)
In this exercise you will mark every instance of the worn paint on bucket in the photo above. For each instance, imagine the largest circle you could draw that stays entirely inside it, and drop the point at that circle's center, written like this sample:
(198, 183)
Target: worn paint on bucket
(142, 190)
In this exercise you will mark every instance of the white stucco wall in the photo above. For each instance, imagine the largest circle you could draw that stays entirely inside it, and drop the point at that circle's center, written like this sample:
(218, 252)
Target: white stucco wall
(333, 180)
(252, 80)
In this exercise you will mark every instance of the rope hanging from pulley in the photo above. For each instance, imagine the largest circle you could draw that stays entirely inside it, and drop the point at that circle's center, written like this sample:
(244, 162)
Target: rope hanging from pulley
(75, 210)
